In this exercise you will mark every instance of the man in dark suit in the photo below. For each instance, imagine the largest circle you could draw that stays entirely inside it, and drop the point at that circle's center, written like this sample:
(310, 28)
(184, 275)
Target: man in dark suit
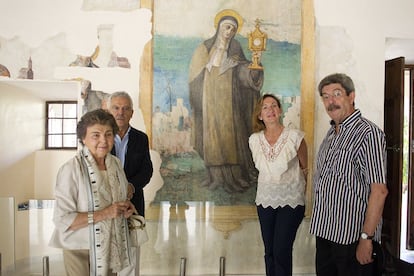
(132, 148)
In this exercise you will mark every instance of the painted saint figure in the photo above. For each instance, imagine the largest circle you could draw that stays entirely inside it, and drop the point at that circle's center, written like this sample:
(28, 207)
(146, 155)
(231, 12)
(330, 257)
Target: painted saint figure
(223, 93)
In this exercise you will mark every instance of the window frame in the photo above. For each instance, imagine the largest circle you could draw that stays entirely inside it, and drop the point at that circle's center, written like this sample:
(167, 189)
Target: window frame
(63, 118)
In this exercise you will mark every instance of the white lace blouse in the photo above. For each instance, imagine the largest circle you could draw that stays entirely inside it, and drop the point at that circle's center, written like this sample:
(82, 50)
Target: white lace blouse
(281, 181)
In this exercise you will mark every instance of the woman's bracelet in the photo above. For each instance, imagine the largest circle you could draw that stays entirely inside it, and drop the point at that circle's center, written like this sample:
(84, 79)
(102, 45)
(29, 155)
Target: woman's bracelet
(90, 217)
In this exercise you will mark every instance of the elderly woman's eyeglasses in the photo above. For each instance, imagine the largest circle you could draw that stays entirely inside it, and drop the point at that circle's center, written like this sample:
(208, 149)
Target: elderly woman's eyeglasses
(335, 95)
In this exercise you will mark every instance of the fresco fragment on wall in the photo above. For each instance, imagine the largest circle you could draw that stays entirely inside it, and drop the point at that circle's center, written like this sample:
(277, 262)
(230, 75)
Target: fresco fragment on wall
(70, 31)
(51, 53)
(27, 72)
(104, 54)
(92, 99)
(4, 72)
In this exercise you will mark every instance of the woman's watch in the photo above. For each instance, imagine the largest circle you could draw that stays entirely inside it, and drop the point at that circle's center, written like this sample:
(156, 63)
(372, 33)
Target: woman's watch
(365, 236)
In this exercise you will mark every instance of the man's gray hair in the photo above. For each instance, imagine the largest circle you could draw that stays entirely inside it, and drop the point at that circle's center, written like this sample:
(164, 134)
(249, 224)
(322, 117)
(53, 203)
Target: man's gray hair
(121, 94)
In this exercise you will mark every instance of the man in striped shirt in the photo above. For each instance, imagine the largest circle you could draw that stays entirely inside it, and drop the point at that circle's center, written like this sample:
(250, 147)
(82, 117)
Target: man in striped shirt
(349, 185)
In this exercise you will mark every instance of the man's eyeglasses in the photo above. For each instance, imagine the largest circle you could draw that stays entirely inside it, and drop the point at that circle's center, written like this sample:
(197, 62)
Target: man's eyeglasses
(336, 94)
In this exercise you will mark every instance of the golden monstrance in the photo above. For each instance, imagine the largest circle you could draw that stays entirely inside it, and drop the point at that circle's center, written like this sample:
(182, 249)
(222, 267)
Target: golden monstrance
(257, 44)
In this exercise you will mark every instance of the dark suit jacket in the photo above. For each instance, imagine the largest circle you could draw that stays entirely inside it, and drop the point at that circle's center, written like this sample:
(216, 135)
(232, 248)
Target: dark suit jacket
(138, 166)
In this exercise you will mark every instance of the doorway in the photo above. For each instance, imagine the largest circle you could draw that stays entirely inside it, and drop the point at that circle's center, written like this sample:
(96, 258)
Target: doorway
(398, 230)
(407, 242)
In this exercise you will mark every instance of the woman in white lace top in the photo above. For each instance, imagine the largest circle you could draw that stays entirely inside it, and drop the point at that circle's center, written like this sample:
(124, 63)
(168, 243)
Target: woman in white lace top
(280, 156)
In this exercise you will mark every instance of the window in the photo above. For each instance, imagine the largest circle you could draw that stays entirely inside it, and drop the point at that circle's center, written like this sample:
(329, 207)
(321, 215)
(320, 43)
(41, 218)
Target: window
(61, 120)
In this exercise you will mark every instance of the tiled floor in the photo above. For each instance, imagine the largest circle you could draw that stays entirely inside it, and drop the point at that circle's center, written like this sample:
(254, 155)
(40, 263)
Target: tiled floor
(197, 238)
(191, 233)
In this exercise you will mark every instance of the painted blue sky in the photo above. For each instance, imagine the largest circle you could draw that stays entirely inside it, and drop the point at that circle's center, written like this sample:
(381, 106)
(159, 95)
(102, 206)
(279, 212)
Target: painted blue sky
(172, 57)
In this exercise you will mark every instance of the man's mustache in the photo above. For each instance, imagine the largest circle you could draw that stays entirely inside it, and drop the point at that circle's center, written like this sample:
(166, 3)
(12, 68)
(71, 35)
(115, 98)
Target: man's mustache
(333, 107)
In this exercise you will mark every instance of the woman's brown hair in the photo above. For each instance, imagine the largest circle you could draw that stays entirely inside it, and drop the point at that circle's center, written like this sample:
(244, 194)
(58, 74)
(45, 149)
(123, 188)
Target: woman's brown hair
(258, 124)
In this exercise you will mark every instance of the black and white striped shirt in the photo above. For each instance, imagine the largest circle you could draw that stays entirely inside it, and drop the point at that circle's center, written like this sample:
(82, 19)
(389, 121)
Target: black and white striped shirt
(347, 163)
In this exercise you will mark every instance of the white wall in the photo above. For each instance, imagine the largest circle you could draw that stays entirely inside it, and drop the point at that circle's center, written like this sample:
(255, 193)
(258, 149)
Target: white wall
(22, 132)
(351, 38)
(25, 172)
(22, 123)
(7, 231)
(54, 32)
(47, 164)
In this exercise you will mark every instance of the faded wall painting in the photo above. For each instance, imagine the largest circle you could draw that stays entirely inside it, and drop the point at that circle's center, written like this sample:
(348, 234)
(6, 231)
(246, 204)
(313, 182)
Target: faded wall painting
(210, 65)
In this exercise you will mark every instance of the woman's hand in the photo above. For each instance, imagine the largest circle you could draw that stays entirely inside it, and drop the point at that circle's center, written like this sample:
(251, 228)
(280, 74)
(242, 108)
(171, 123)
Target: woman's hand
(131, 191)
(120, 208)
(130, 209)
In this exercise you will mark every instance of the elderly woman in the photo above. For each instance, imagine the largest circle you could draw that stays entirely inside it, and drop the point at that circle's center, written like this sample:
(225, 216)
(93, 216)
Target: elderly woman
(91, 208)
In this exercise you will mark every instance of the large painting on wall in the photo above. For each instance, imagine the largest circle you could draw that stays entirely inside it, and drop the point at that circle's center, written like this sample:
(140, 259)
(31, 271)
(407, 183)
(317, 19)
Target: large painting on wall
(204, 91)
